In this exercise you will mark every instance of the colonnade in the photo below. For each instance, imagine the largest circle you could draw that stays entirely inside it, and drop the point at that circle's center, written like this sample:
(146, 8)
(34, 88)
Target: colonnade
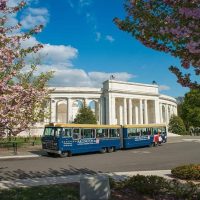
(113, 110)
(64, 110)
(166, 111)
(133, 111)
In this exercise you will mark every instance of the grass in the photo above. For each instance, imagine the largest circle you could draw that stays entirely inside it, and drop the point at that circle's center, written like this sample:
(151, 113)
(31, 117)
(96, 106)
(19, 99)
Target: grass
(51, 192)
(137, 187)
(20, 141)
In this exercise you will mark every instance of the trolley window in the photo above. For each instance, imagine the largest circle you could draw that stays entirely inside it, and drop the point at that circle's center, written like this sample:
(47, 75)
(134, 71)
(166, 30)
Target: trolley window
(52, 131)
(88, 133)
(101, 133)
(133, 132)
(114, 132)
(144, 131)
(155, 131)
(149, 131)
(76, 134)
(67, 132)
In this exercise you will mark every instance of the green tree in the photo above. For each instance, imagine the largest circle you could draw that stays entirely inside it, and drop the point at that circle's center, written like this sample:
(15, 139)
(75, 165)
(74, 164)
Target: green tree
(180, 101)
(176, 125)
(85, 116)
(191, 109)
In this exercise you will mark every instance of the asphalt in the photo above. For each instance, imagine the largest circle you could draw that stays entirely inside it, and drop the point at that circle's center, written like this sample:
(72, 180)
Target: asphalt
(24, 154)
(36, 181)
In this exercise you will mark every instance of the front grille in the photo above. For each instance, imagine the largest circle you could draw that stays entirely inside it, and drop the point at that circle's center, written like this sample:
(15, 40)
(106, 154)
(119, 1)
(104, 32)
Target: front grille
(49, 145)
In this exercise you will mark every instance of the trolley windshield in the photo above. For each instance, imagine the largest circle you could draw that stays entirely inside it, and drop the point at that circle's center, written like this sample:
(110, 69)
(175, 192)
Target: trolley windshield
(52, 131)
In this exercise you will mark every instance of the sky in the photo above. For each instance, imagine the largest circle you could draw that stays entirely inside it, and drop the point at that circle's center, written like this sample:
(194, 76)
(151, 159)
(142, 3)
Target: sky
(84, 47)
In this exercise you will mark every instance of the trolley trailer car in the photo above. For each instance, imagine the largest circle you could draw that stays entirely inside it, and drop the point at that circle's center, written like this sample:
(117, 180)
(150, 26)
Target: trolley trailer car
(68, 139)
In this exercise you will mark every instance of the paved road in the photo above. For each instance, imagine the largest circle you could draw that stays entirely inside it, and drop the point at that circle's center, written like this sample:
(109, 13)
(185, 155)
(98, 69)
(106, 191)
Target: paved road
(156, 158)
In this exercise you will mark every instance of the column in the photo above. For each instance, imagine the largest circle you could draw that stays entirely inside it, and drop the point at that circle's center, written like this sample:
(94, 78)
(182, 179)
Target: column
(136, 115)
(125, 112)
(145, 112)
(113, 111)
(103, 108)
(107, 110)
(53, 110)
(120, 115)
(157, 113)
(109, 113)
(167, 114)
(175, 110)
(161, 113)
(130, 111)
(99, 111)
(141, 112)
(69, 110)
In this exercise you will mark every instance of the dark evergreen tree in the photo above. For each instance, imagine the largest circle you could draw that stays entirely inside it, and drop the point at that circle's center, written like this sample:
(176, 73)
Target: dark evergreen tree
(85, 116)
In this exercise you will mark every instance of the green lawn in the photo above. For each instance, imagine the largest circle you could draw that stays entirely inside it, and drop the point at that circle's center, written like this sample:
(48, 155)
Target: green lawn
(51, 192)
(20, 141)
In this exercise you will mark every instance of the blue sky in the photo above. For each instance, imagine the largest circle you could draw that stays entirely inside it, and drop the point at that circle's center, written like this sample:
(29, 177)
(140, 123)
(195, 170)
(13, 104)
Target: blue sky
(84, 47)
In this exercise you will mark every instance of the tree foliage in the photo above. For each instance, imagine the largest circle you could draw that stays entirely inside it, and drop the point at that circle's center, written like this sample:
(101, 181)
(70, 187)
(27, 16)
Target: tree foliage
(85, 116)
(171, 26)
(190, 111)
(176, 125)
(22, 94)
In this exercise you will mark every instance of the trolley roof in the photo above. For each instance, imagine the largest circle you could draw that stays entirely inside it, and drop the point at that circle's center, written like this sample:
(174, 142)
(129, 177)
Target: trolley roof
(81, 125)
(144, 126)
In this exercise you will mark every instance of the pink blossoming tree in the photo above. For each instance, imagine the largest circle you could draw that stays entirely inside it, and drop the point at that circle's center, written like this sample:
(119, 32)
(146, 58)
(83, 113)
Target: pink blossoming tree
(171, 26)
(22, 94)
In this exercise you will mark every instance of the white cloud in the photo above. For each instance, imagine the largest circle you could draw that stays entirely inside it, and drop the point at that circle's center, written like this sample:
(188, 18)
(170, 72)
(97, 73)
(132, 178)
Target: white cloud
(34, 16)
(98, 36)
(102, 76)
(59, 59)
(52, 54)
(70, 3)
(38, 11)
(29, 43)
(110, 38)
(58, 54)
(13, 3)
(163, 87)
(78, 77)
(85, 2)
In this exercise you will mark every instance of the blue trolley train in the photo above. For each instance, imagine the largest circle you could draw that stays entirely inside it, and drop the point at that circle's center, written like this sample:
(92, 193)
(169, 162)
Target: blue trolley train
(68, 139)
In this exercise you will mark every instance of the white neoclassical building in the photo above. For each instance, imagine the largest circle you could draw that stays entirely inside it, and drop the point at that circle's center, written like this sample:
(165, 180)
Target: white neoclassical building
(116, 102)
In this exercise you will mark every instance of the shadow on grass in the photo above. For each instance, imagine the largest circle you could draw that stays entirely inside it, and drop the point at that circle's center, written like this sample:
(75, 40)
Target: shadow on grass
(20, 178)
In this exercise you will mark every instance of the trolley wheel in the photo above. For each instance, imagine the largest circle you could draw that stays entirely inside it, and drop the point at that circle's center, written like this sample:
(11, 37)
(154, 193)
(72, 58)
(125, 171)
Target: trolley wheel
(69, 154)
(64, 154)
(151, 145)
(155, 144)
(50, 154)
(103, 150)
(110, 149)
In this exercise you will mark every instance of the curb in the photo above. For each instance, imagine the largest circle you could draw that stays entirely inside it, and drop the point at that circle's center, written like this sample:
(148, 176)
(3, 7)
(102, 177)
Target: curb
(19, 157)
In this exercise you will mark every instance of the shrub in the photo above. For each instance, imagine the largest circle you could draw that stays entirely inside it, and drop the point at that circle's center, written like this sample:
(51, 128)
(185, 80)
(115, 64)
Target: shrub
(150, 185)
(158, 187)
(176, 125)
(194, 130)
(187, 172)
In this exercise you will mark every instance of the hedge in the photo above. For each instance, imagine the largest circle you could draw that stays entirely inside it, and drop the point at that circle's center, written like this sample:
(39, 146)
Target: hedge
(187, 172)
